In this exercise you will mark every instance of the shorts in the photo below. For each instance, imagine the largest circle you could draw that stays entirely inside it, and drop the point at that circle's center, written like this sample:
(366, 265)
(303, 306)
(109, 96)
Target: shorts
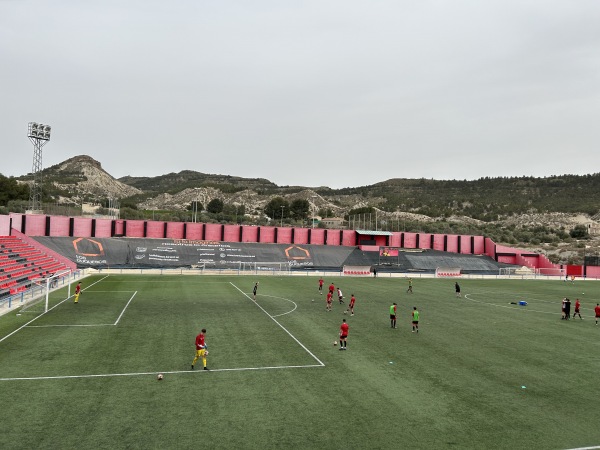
(343, 336)
(393, 316)
(415, 322)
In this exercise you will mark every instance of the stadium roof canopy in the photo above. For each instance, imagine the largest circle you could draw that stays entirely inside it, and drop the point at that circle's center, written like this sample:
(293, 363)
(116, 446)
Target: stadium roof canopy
(374, 233)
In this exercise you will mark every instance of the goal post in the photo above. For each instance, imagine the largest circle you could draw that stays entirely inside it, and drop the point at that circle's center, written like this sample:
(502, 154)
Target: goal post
(551, 271)
(447, 272)
(38, 298)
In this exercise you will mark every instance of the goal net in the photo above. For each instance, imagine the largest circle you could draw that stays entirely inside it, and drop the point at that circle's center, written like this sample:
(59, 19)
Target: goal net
(46, 291)
(550, 271)
(447, 272)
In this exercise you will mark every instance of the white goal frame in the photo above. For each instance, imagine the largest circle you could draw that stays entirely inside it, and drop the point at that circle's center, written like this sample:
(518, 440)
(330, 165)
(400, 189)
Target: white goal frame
(41, 288)
(551, 271)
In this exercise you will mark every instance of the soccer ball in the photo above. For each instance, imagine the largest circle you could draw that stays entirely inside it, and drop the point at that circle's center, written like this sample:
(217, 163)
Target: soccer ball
(159, 377)
(334, 343)
(345, 312)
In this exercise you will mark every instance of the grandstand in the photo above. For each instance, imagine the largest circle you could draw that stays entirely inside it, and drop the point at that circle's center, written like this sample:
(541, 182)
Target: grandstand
(21, 263)
(112, 243)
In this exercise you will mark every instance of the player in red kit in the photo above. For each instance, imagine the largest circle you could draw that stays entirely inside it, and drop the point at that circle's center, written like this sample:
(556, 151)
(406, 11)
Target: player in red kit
(321, 286)
(201, 349)
(331, 288)
(329, 297)
(597, 311)
(577, 306)
(351, 305)
(77, 292)
(343, 334)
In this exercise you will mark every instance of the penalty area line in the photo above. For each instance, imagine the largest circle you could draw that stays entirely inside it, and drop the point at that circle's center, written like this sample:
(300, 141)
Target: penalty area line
(42, 314)
(281, 326)
(171, 372)
(123, 312)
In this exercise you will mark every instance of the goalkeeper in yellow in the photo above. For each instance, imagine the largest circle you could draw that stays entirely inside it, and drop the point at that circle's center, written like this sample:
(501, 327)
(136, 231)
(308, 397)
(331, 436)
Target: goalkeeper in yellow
(201, 350)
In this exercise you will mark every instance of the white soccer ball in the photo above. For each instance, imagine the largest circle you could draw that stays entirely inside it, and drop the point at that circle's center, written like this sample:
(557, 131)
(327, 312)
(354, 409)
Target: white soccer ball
(159, 376)
(345, 312)
(334, 343)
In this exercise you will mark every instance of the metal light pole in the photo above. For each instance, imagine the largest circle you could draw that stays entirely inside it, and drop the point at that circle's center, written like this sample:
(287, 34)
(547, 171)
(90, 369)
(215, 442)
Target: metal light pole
(282, 215)
(39, 135)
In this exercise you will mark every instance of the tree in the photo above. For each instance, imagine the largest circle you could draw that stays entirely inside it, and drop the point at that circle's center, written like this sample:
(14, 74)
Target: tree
(579, 232)
(215, 206)
(11, 190)
(299, 209)
(273, 208)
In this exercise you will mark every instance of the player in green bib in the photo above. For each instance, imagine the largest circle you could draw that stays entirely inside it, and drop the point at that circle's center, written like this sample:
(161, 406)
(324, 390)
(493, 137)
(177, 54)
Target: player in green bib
(393, 315)
(415, 320)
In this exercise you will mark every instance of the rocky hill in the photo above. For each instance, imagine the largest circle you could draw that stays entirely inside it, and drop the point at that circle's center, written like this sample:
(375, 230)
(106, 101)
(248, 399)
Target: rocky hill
(524, 211)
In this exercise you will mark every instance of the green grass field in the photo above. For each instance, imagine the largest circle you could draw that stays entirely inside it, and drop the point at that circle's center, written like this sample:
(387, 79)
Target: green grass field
(482, 373)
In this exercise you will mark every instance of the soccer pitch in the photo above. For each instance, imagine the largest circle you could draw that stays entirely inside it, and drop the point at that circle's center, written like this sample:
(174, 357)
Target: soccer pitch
(482, 372)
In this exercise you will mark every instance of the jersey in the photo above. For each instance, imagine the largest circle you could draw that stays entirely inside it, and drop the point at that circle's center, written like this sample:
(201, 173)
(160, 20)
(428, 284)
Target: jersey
(415, 316)
(331, 288)
(77, 289)
(321, 283)
(393, 310)
(352, 300)
(200, 341)
(340, 293)
(329, 295)
(597, 310)
(344, 329)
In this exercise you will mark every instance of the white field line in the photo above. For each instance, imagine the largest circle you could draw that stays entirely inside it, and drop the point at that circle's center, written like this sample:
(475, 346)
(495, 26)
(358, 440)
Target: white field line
(135, 374)
(89, 325)
(281, 326)
(123, 312)
(58, 304)
(585, 448)
(282, 298)
(515, 307)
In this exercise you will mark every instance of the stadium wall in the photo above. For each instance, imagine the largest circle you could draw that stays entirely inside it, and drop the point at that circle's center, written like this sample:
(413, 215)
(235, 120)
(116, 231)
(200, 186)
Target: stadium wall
(439, 241)
(284, 235)
(466, 247)
(59, 226)
(175, 230)
(155, 230)
(231, 233)
(82, 227)
(194, 231)
(5, 222)
(317, 236)
(452, 243)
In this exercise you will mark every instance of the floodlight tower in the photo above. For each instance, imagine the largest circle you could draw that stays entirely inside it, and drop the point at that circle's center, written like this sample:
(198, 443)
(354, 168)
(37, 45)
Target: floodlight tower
(39, 135)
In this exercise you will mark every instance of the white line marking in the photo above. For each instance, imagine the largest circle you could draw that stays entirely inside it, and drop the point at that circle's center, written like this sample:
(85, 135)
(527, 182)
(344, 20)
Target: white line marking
(90, 325)
(282, 298)
(515, 307)
(123, 312)
(585, 448)
(133, 374)
(281, 326)
(36, 318)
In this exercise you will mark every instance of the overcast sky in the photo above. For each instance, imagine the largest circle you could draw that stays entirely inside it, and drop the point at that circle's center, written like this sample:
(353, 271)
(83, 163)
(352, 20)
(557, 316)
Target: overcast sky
(313, 93)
